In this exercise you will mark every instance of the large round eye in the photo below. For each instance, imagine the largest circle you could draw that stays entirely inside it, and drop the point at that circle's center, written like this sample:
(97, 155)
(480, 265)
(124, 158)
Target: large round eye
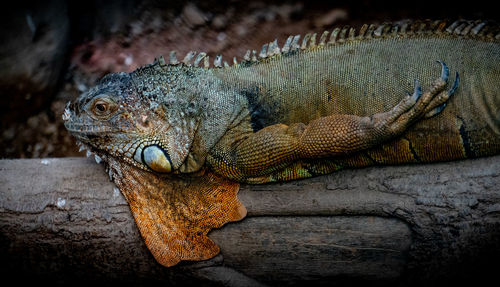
(103, 107)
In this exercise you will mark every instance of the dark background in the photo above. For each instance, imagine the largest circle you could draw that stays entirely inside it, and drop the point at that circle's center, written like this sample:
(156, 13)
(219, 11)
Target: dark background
(51, 51)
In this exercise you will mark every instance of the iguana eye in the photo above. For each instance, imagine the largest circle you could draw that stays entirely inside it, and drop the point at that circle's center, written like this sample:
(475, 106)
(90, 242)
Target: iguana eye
(103, 107)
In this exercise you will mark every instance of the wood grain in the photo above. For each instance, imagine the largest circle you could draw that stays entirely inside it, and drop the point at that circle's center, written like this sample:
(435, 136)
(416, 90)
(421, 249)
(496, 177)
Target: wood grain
(62, 220)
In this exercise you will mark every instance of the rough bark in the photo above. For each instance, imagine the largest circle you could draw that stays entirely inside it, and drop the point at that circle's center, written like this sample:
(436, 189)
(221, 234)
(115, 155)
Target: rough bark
(63, 221)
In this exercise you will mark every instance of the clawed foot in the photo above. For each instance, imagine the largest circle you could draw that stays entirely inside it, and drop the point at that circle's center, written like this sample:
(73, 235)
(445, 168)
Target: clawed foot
(439, 102)
(418, 105)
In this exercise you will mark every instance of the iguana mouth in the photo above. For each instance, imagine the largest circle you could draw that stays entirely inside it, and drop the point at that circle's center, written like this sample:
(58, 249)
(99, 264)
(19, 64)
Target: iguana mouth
(88, 129)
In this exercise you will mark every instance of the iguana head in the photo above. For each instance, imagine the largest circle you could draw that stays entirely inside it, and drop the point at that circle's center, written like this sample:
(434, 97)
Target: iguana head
(143, 118)
(154, 119)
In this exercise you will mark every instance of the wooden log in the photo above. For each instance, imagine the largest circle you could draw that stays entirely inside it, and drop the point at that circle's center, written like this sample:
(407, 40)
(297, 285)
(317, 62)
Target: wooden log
(63, 221)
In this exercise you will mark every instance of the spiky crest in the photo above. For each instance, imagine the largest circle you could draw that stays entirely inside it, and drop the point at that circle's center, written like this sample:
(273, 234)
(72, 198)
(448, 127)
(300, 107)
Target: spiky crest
(482, 30)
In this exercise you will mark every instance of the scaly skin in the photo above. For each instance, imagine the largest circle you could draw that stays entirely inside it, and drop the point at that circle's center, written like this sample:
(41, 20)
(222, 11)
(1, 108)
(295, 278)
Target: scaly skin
(177, 138)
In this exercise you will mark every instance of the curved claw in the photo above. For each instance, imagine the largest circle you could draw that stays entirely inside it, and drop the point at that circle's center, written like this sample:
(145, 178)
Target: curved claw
(455, 85)
(445, 72)
(435, 111)
(438, 109)
(417, 92)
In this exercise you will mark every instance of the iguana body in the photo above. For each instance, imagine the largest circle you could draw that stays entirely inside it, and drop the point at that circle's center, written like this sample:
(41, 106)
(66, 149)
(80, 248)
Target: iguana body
(177, 138)
(366, 77)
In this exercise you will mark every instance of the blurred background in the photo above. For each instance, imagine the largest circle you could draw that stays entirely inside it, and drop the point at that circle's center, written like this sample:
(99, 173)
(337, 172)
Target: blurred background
(52, 51)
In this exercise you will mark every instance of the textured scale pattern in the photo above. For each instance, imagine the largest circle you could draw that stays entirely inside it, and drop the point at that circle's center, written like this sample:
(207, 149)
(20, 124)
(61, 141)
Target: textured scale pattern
(175, 221)
(178, 138)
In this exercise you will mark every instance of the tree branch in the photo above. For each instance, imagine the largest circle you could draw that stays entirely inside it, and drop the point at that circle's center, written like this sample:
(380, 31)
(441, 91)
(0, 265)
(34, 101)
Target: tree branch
(62, 219)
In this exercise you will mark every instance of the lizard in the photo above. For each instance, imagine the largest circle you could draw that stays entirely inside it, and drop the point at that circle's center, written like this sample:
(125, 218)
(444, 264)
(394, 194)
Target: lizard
(178, 138)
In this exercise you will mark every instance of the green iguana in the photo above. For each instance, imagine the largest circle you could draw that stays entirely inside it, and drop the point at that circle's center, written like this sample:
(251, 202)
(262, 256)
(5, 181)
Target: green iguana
(177, 138)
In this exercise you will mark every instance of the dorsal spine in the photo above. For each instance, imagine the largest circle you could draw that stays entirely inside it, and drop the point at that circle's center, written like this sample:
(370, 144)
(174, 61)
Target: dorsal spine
(463, 28)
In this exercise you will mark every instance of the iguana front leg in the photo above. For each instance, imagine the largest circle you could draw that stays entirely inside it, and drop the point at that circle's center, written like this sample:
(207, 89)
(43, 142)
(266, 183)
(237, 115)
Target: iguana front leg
(343, 134)
(276, 146)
